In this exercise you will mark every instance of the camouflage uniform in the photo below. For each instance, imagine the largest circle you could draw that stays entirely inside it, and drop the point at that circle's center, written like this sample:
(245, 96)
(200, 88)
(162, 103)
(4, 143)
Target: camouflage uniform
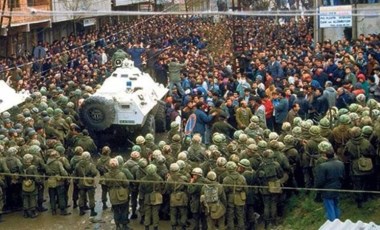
(194, 191)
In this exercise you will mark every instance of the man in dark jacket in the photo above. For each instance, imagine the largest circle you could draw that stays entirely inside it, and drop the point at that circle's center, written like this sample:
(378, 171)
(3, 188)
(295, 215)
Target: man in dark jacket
(344, 99)
(329, 175)
(280, 111)
(202, 120)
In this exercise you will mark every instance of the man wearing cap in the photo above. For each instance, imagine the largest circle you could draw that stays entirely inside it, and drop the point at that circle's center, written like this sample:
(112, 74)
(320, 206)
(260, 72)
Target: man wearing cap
(329, 175)
(236, 190)
(178, 197)
(116, 180)
(194, 191)
(151, 190)
(218, 206)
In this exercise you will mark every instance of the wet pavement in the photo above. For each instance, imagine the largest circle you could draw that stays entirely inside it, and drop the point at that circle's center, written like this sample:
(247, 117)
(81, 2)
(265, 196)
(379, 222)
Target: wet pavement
(46, 221)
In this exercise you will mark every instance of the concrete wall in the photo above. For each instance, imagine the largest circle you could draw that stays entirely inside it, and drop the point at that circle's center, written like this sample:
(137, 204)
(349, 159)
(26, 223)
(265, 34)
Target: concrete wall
(365, 24)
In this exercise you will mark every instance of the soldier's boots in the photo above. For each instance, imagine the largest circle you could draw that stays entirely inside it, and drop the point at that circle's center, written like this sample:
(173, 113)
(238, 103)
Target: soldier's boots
(81, 211)
(75, 204)
(32, 214)
(54, 212)
(142, 219)
(64, 212)
(105, 205)
(41, 208)
(93, 213)
(134, 215)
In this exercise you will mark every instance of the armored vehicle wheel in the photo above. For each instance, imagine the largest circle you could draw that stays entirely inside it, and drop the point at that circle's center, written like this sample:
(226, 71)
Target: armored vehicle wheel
(160, 117)
(97, 113)
(149, 126)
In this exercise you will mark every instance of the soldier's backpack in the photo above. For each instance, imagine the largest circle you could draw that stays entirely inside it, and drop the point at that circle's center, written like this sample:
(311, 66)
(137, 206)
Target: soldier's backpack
(211, 194)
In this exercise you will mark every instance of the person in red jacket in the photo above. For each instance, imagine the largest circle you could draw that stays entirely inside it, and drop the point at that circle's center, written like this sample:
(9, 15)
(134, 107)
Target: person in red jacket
(267, 102)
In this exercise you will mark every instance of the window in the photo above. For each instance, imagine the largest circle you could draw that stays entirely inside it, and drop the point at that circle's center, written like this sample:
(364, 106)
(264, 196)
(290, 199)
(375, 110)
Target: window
(13, 3)
(38, 2)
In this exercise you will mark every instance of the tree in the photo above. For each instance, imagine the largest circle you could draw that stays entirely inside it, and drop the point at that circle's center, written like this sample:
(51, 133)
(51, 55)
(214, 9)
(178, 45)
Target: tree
(75, 6)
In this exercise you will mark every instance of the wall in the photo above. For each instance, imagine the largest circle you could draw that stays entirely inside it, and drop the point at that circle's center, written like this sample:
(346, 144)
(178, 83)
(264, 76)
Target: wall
(365, 24)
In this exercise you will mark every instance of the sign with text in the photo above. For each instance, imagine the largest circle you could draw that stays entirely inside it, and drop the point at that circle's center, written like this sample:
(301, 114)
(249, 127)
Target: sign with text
(335, 16)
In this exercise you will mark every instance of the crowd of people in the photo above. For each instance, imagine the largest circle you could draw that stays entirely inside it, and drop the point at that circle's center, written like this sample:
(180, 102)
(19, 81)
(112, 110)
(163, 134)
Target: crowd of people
(283, 110)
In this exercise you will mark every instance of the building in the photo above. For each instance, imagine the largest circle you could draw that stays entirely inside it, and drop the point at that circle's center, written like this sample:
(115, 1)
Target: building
(21, 26)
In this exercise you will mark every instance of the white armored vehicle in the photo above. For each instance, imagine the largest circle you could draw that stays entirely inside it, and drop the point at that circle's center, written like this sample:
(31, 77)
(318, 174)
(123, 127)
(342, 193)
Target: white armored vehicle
(129, 100)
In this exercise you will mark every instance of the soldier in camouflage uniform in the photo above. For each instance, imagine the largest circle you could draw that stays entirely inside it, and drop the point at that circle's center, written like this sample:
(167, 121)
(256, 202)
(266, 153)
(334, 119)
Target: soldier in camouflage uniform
(311, 154)
(176, 145)
(149, 138)
(145, 151)
(236, 191)
(102, 165)
(178, 197)
(219, 140)
(132, 166)
(242, 142)
(151, 191)
(254, 130)
(356, 148)
(174, 129)
(194, 191)
(29, 188)
(13, 191)
(116, 179)
(269, 171)
(196, 151)
(54, 171)
(245, 169)
(86, 142)
(73, 162)
(60, 125)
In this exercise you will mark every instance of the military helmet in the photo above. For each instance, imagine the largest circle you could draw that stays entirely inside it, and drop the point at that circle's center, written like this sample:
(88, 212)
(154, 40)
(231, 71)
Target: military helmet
(250, 141)
(274, 144)
(156, 153)
(151, 169)
(114, 163)
(5, 115)
(60, 149)
(197, 171)
(289, 139)
(315, 130)
(231, 147)
(213, 148)
(344, 119)
(231, 166)
(57, 112)
(12, 151)
(268, 153)
(361, 98)
(297, 121)
(266, 133)
(305, 126)
(35, 110)
(161, 159)
(372, 103)
(354, 116)
(365, 113)
(78, 150)
(43, 106)
(211, 176)
(324, 123)
(243, 137)
(217, 139)
(244, 163)
(237, 134)
(254, 119)
(27, 157)
(366, 120)
(140, 140)
(252, 147)
(136, 148)
(262, 144)
(196, 139)
(353, 107)
(174, 167)
(325, 147)
(135, 155)
(106, 150)
(166, 149)
(182, 156)
(70, 104)
(149, 137)
(221, 161)
(85, 155)
(342, 111)
(286, 126)
(355, 132)
(174, 125)
(161, 144)
(34, 149)
(120, 159)
(181, 164)
(142, 162)
(176, 138)
(367, 130)
(273, 136)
